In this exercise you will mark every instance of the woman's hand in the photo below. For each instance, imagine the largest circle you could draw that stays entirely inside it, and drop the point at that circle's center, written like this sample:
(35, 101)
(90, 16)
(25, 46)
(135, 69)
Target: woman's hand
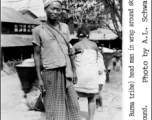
(75, 79)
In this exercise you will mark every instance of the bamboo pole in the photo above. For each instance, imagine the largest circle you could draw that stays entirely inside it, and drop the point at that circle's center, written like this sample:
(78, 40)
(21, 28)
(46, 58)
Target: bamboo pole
(2, 58)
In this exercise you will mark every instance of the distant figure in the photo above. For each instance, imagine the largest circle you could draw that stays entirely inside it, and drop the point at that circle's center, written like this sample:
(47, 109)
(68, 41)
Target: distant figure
(118, 64)
(117, 61)
(114, 63)
(108, 54)
(64, 16)
(70, 23)
(86, 69)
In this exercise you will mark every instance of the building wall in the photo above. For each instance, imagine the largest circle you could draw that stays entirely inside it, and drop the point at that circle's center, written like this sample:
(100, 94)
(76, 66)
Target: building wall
(16, 28)
(16, 52)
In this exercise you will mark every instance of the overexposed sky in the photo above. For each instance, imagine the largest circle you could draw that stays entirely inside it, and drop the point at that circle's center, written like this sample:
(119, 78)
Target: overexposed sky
(36, 6)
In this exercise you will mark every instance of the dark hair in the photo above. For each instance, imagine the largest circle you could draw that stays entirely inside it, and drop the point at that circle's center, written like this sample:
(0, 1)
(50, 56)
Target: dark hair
(83, 31)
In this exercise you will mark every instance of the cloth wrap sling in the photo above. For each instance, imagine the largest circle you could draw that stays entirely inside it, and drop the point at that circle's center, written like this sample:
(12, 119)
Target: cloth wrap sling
(58, 37)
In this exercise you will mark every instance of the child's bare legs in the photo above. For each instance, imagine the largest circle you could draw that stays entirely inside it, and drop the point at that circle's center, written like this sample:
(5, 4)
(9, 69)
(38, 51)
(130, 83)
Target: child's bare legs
(99, 97)
(91, 107)
(99, 101)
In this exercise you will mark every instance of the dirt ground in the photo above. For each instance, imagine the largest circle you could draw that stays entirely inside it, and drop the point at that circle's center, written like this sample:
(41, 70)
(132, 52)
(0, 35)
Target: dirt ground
(12, 107)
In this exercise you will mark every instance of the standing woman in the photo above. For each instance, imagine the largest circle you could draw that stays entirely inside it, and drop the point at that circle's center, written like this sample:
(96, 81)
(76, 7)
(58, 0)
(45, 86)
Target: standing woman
(51, 52)
(86, 69)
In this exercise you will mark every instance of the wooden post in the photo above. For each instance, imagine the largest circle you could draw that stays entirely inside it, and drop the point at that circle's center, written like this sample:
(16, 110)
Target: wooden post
(21, 54)
(109, 44)
(2, 58)
(32, 56)
(21, 57)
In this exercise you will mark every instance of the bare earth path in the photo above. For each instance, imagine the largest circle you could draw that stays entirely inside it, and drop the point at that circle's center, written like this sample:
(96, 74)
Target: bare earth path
(11, 99)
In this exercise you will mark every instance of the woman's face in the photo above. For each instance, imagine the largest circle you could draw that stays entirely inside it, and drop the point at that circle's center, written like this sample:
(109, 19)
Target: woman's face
(53, 11)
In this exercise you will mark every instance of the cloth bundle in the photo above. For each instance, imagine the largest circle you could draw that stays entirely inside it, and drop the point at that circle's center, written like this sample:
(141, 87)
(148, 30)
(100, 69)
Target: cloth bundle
(35, 99)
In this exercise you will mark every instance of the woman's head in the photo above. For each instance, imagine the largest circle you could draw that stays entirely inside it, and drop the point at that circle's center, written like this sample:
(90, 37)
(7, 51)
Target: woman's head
(53, 8)
(83, 32)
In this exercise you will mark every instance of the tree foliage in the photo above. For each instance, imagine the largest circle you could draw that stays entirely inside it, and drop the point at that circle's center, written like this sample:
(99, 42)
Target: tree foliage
(105, 13)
